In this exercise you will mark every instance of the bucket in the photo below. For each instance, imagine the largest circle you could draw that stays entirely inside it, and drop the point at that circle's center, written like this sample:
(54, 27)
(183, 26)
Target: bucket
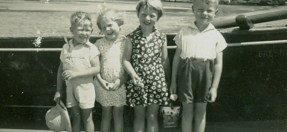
(170, 116)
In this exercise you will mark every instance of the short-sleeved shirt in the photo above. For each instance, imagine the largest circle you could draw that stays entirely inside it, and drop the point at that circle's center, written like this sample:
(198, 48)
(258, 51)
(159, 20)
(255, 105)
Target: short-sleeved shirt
(196, 44)
(79, 57)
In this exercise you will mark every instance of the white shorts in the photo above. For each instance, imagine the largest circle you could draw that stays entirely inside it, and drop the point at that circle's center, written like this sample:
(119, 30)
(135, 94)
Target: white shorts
(81, 92)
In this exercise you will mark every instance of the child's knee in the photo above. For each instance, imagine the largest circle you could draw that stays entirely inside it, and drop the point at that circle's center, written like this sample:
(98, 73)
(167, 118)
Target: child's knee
(76, 119)
(76, 115)
(140, 116)
(151, 116)
(199, 117)
(87, 120)
(118, 116)
(107, 115)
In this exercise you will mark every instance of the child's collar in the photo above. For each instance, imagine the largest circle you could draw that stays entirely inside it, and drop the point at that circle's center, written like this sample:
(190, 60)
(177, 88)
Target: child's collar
(209, 27)
(70, 43)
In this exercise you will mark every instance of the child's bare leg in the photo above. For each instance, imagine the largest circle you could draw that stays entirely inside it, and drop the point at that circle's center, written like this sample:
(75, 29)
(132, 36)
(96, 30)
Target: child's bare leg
(106, 119)
(118, 119)
(88, 120)
(152, 114)
(187, 117)
(76, 118)
(199, 117)
(139, 121)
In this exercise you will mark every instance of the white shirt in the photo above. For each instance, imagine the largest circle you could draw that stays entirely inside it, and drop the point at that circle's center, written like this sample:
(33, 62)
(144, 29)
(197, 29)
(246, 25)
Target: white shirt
(79, 57)
(196, 44)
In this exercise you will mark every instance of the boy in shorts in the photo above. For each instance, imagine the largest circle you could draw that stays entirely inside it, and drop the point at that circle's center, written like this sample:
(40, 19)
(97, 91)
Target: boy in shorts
(79, 63)
(197, 65)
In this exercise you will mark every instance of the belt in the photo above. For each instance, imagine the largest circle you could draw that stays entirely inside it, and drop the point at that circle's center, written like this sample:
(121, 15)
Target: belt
(198, 59)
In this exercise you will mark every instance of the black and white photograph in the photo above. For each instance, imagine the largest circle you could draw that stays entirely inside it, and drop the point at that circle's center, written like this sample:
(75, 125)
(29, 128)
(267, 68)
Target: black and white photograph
(143, 66)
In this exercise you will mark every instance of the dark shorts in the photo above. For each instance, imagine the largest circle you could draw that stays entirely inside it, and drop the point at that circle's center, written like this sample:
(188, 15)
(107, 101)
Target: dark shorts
(194, 79)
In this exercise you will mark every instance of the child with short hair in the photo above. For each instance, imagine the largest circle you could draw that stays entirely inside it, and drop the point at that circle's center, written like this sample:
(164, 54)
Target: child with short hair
(197, 65)
(146, 62)
(110, 83)
(79, 63)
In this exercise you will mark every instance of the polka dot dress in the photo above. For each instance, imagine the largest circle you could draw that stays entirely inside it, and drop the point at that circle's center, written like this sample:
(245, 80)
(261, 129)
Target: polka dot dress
(146, 59)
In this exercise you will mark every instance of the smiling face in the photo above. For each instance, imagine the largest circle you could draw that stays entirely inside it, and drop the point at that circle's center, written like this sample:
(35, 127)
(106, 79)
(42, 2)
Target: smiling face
(147, 17)
(109, 28)
(82, 31)
(204, 11)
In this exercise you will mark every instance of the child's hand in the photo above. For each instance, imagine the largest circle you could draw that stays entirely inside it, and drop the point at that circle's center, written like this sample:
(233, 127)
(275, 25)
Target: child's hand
(109, 86)
(212, 95)
(137, 81)
(106, 84)
(173, 97)
(117, 84)
(172, 88)
(67, 75)
(57, 96)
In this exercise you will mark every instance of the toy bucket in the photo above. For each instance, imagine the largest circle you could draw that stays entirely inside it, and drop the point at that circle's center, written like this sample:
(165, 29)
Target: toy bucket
(170, 116)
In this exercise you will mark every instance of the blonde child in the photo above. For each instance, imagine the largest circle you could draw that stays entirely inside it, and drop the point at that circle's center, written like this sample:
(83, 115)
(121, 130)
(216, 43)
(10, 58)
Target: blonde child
(79, 63)
(110, 83)
(197, 65)
(146, 61)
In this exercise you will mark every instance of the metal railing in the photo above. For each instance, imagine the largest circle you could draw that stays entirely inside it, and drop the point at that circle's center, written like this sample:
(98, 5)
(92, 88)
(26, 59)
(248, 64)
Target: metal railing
(168, 47)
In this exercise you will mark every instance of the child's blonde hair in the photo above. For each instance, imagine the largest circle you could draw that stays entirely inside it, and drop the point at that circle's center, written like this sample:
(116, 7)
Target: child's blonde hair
(79, 16)
(112, 14)
(208, 2)
(151, 4)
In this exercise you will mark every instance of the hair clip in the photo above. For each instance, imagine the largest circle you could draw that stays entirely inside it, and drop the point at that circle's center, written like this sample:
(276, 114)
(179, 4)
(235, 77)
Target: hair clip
(102, 6)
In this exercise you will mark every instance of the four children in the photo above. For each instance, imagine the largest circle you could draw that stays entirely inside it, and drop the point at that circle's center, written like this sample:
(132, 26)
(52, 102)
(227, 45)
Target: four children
(142, 55)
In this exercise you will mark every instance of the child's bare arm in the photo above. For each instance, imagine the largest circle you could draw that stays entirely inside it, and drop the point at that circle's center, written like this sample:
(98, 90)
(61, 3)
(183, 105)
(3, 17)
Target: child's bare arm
(126, 61)
(93, 70)
(217, 70)
(60, 82)
(175, 64)
(119, 82)
(165, 62)
(95, 67)
(216, 77)
(103, 82)
(123, 79)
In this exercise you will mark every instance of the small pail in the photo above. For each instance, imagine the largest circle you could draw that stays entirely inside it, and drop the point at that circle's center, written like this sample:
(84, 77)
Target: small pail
(170, 116)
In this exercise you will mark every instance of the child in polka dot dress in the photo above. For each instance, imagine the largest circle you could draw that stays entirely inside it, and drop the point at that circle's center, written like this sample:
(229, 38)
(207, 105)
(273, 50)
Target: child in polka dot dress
(146, 61)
